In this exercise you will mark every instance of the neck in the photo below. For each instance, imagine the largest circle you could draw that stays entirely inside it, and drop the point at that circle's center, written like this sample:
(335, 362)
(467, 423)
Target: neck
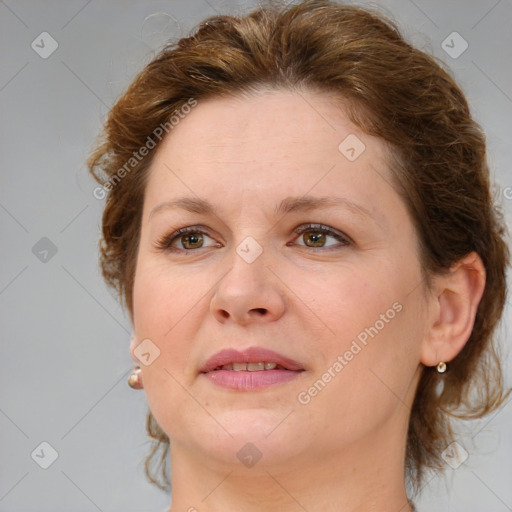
(365, 477)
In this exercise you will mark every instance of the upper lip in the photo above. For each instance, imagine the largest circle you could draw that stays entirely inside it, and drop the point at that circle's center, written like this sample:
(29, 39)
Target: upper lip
(250, 355)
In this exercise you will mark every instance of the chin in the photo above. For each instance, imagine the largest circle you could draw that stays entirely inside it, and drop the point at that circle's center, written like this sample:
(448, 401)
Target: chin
(248, 452)
(248, 434)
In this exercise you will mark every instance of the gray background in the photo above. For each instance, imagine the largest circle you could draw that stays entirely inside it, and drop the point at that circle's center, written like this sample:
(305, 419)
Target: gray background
(65, 359)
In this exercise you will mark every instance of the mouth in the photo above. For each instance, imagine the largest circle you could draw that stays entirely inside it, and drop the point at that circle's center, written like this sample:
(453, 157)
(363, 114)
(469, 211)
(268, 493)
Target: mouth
(250, 370)
(250, 367)
(253, 359)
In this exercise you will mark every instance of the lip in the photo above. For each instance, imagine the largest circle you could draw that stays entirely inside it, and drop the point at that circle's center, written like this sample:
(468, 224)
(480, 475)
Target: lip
(250, 355)
(246, 380)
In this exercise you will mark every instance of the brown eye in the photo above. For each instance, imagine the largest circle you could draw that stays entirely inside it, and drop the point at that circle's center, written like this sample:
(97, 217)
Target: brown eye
(192, 241)
(186, 239)
(318, 236)
(314, 238)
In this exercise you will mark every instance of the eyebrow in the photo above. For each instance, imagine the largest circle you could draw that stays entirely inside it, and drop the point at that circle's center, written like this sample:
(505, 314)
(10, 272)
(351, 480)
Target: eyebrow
(287, 205)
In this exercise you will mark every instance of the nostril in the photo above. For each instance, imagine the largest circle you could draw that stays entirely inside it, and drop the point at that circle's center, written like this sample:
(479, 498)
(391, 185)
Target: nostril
(261, 311)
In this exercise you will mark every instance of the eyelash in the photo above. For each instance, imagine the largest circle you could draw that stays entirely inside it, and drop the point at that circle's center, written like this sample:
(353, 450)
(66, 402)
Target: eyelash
(165, 243)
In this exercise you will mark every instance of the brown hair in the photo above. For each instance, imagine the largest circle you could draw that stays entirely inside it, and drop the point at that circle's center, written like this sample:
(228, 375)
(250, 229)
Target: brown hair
(395, 92)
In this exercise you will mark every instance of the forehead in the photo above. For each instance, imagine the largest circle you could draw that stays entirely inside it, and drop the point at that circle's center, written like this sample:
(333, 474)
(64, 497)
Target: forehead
(262, 122)
(265, 147)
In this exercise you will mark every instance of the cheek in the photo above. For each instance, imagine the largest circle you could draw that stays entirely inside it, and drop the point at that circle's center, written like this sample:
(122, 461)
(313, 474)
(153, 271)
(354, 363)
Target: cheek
(362, 386)
(163, 297)
(348, 302)
(165, 304)
(372, 350)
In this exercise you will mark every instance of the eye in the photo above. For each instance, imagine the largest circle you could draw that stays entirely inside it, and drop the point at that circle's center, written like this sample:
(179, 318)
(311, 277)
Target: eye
(186, 239)
(319, 236)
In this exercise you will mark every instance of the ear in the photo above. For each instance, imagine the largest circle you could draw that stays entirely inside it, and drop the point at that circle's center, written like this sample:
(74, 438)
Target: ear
(133, 345)
(452, 309)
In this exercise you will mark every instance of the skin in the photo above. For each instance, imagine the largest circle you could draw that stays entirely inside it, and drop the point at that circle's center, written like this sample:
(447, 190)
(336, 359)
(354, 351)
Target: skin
(344, 449)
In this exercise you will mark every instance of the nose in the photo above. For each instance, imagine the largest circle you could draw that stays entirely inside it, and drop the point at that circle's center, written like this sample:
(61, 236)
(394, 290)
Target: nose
(248, 293)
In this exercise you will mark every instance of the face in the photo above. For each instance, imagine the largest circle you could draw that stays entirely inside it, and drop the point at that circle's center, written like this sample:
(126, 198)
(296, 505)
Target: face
(297, 252)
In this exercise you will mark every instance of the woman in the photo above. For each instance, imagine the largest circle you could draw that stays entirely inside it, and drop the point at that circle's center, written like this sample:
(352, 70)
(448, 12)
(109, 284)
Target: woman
(299, 223)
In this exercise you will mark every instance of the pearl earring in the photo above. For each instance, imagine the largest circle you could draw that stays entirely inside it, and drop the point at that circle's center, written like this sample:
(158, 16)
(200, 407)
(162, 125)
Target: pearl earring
(441, 367)
(135, 379)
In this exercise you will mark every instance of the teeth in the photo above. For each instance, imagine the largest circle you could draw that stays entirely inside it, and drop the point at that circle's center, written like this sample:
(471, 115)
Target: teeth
(254, 367)
(251, 367)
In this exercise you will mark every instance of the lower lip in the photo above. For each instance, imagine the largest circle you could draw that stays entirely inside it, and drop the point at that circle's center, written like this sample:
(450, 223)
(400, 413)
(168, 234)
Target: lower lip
(250, 381)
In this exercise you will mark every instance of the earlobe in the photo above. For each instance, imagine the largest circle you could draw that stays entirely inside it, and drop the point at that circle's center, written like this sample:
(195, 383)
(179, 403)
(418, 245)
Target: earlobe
(133, 346)
(457, 295)
(135, 378)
